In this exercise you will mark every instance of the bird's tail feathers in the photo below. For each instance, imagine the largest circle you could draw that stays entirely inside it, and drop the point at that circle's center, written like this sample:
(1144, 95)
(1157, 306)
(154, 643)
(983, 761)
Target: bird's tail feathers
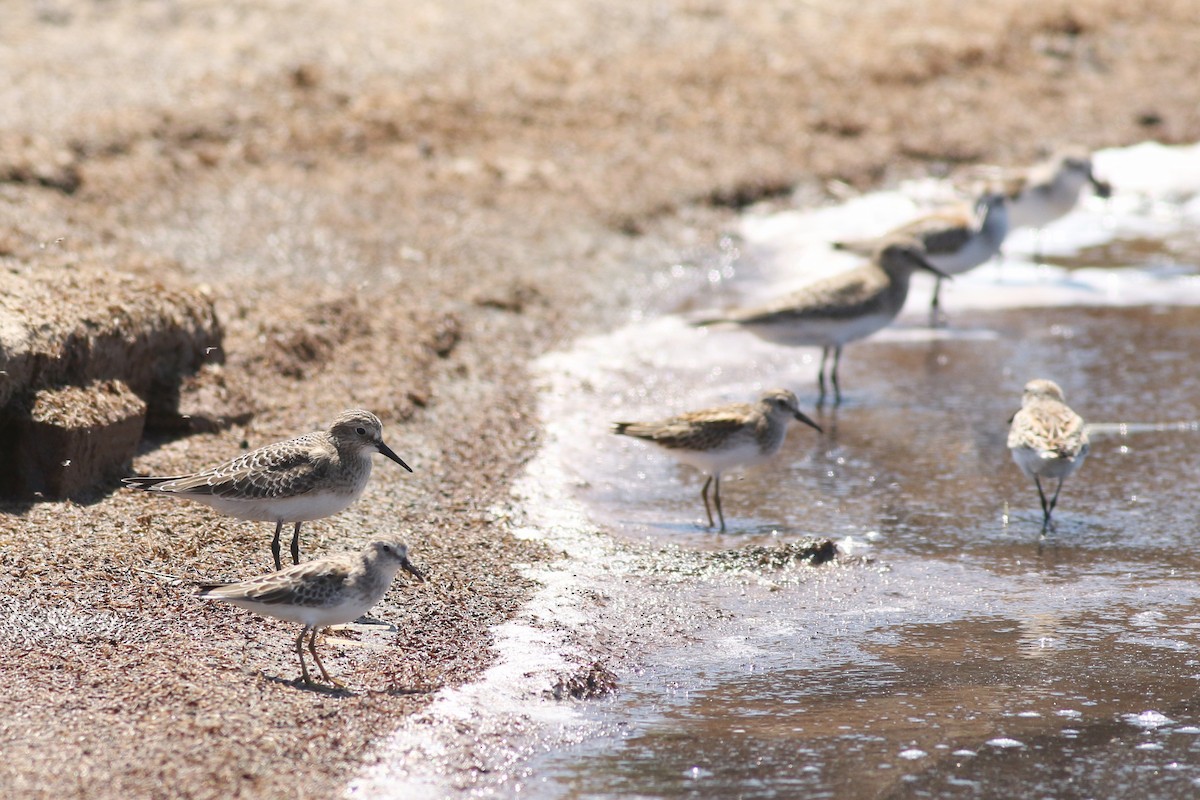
(144, 483)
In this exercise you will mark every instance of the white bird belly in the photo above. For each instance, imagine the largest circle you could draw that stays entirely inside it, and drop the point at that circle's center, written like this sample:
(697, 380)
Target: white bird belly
(1037, 463)
(314, 616)
(819, 331)
(718, 460)
(978, 251)
(1039, 209)
(301, 508)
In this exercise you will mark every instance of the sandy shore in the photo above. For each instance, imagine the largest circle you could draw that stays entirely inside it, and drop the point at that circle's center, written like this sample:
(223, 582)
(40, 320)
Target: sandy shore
(397, 207)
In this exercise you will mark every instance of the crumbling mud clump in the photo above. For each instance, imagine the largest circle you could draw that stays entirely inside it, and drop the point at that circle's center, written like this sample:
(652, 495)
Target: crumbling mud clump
(588, 683)
(72, 438)
(810, 551)
(86, 356)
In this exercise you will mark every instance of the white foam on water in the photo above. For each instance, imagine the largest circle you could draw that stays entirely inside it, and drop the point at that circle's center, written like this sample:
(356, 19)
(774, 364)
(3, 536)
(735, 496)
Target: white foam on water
(1148, 720)
(1005, 743)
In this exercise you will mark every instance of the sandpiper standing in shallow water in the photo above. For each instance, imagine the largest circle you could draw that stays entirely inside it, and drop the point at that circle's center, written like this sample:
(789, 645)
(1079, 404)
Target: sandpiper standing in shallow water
(716, 439)
(956, 239)
(838, 309)
(1047, 439)
(323, 592)
(305, 478)
(1048, 191)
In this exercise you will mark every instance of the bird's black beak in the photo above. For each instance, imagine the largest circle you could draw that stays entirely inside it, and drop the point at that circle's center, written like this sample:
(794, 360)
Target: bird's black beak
(808, 422)
(387, 451)
(1103, 188)
(407, 566)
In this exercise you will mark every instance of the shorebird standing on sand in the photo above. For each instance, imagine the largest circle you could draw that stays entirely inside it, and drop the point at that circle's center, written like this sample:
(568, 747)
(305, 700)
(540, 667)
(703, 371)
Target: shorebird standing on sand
(716, 439)
(305, 478)
(956, 239)
(837, 309)
(323, 592)
(1047, 439)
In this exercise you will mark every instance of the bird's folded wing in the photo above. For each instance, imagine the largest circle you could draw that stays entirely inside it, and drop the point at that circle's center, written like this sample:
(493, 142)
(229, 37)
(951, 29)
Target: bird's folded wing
(699, 430)
(316, 577)
(842, 295)
(267, 472)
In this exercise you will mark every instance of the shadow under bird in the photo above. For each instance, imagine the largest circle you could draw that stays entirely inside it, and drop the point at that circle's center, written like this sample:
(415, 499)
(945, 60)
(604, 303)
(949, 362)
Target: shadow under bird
(956, 239)
(305, 478)
(1047, 439)
(325, 591)
(839, 309)
(717, 439)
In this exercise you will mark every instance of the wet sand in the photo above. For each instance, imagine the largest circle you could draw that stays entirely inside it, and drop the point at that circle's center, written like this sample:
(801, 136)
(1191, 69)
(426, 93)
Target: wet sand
(399, 211)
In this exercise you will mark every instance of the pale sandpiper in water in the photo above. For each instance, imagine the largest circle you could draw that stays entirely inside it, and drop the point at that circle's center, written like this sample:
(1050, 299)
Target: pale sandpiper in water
(837, 309)
(1048, 191)
(714, 440)
(1047, 439)
(305, 478)
(956, 238)
(323, 592)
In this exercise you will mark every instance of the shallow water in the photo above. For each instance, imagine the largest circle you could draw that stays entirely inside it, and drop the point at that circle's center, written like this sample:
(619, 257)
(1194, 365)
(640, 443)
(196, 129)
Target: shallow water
(985, 656)
(955, 651)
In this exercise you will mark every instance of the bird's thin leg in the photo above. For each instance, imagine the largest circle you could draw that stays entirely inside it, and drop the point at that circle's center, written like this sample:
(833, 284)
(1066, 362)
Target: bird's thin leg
(837, 387)
(300, 655)
(933, 305)
(1054, 500)
(704, 494)
(717, 496)
(1045, 507)
(821, 377)
(275, 544)
(312, 648)
(296, 544)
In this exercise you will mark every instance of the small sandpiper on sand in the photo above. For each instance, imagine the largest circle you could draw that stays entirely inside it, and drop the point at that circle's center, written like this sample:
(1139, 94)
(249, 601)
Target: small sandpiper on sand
(716, 439)
(1047, 439)
(956, 238)
(305, 478)
(323, 592)
(838, 309)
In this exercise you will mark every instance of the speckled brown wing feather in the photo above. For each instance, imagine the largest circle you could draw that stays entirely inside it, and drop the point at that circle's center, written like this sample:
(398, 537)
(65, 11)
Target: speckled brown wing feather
(1048, 427)
(847, 295)
(288, 468)
(695, 430)
(311, 584)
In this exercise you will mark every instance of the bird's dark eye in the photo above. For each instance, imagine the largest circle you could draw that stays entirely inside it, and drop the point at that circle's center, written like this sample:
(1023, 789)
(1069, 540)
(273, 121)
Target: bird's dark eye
(387, 548)
(361, 431)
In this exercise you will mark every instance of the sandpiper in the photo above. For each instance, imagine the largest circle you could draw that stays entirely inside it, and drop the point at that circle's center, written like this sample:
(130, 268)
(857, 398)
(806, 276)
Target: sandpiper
(1047, 439)
(305, 478)
(956, 238)
(1049, 190)
(838, 309)
(716, 439)
(325, 591)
